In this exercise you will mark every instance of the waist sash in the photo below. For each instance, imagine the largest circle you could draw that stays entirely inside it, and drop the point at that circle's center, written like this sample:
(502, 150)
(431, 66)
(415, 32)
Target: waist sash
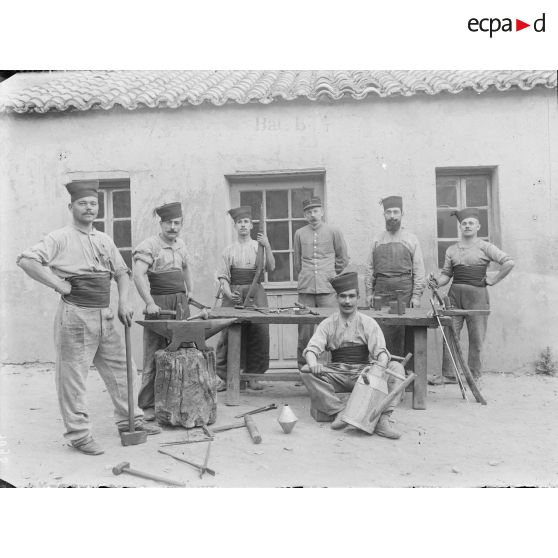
(353, 354)
(166, 282)
(243, 276)
(89, 290)
(474, 275)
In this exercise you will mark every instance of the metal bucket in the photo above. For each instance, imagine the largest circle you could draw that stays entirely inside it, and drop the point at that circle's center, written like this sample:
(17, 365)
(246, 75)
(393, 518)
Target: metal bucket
(364, 399)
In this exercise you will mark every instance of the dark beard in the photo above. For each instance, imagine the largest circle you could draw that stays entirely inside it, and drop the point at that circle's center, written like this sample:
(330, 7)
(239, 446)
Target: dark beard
(393, 226)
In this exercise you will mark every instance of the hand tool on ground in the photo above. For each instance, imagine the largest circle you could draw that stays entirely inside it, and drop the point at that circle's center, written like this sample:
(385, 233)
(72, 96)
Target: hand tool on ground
(124, 467)
(132, 437)
(204, 315)
(198, 305)
(227, 427)
(181, 442)
(252, 429)
(457, 373)
(249, 300)
(260, 410)
(196, 465)
(304, 307)
(205, 461)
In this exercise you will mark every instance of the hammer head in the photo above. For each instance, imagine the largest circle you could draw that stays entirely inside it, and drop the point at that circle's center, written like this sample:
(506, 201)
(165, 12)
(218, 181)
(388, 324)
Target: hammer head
(119, 469)
(133, 438)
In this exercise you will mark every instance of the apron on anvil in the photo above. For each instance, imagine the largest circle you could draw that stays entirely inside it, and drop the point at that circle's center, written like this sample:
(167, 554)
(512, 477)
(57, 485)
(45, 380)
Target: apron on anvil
(393, 270)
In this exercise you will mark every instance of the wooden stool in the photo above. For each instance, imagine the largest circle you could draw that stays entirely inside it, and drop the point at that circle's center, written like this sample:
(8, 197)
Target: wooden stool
(185, 387)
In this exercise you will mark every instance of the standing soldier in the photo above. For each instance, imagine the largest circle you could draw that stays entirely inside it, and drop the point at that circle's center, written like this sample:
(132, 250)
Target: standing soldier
(395, 263)
(320, 253)
(78, 262)
(236, 275)
(162, 278)
(467, 262)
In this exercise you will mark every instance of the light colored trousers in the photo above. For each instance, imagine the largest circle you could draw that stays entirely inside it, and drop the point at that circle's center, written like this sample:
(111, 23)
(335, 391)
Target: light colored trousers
(85, 336)
(323, 390)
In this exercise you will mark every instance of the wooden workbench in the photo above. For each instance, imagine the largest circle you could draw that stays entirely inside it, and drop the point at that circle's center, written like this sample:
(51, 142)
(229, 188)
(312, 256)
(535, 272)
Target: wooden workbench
(415, 318)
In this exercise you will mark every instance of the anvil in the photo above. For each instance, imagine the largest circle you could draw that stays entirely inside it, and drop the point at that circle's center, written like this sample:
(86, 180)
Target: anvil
(179, 332)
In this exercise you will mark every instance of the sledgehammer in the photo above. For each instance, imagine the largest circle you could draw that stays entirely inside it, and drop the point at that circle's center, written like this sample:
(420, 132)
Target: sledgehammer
(124, 467)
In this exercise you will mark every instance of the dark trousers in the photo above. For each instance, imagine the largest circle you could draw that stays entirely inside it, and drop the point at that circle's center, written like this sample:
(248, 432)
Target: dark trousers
(152, 343)
(467, 297)
(305, 331)
(255, 339)
(395, 335)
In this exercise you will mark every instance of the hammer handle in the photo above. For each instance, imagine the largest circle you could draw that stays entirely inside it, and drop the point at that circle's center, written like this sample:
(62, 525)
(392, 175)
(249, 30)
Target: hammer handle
(129, 378)
(252, 429)
(149, 476)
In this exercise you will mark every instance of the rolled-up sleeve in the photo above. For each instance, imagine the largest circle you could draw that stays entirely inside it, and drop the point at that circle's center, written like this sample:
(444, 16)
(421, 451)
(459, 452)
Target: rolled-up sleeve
(341, 253)
(224, 271)
(418, 271)
(369, 272)
(118, 263)
(143, 252)
(448, 264)
(318, 341)
(43, 252)
(495, 254)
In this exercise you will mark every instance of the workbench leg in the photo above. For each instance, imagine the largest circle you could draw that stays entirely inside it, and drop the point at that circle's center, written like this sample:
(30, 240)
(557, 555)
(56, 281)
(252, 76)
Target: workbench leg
(233, 365)
(419, 357)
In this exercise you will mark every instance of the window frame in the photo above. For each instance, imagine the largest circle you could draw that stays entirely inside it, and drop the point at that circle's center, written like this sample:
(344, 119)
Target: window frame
(312, 179)
(109, 187)
(462, 173)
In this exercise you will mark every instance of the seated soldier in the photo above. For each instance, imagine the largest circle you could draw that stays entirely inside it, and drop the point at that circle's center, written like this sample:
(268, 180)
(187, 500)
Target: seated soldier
(355, 340)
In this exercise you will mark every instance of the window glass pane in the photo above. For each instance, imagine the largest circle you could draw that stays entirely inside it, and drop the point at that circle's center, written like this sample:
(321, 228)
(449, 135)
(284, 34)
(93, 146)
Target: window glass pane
(100, 225)
(277, 204)
(297, 225)
(253, 199)
(442, 247)
(127, 255)
(446, 191)
(297, 197)
(121, 203)
(483, 220)
(476, 191)
(447, 224)
(101, 213)
(122, 233)
(278, 234)
(282, 268)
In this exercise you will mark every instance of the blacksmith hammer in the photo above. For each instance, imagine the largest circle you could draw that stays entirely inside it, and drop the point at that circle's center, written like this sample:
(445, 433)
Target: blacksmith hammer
(132, 437)
(124, 467)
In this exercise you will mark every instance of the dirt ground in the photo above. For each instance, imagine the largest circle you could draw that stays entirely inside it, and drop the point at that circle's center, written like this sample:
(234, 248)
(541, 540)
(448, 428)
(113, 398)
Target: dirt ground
(509, 442)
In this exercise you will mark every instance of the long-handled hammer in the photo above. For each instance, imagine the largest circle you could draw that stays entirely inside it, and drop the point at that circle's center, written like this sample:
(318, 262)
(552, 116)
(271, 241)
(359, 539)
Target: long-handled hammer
(132, 437)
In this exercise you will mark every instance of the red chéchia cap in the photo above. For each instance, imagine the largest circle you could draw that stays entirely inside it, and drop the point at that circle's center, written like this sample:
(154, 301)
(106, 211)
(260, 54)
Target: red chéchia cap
(466, 212)
(392, 201)
(83, 189)
(242, 212)
(345, 282)
(169, 211)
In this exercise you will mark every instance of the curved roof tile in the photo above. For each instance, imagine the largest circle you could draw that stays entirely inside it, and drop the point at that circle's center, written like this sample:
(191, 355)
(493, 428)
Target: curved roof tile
(41, 92)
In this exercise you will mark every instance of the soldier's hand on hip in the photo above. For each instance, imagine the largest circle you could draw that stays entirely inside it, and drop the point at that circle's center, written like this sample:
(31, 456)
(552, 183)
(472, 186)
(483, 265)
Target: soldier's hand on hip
(64, 288)
(369, 300)
(125, 314)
